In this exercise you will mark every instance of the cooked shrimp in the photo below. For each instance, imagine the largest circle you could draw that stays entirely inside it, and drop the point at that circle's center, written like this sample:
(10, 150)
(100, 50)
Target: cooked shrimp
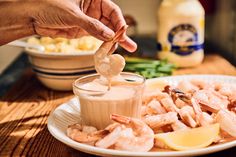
(136, 135)
(112, 137)
(187, 87)
(178, 125)
(156, 94)
(177, 96)
(232, 105)
(154, 107)
(201, 96)
(227, 89)
(143, 110)
(107, 64)
(169, 105)
(200, 83)
(88, 129)
(85, 134)
(227, 121)
(202, 118)
(187, 115)
(157, 121)
(211, 100)
(180, 103)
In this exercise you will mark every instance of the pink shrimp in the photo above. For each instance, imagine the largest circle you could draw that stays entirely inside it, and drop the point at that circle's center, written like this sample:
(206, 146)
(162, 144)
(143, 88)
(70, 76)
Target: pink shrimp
(227, 121)
(106, 63)
(178, 125)
(111, 138)
(156, 94)
(135, 136)
(169, 105)
(232, 105)
(211, 100)
(200, 84)
(157, 121)
(227, 89)
(202, 118)
(187, 87)
(187, 115)
(154, 107)
(180, 103)
(85, 134)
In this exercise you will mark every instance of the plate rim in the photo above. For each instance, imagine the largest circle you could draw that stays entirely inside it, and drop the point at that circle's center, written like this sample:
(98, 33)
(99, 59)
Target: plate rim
(101, 151)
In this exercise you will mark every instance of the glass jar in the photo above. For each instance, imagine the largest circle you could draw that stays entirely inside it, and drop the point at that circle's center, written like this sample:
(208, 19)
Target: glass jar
(180, 32)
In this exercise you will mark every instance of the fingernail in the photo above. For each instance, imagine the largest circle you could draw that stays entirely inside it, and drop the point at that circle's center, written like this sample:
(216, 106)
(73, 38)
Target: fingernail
(108, 34)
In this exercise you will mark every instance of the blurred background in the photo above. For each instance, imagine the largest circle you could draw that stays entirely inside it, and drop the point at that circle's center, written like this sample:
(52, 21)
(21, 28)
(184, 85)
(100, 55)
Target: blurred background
(220, 28)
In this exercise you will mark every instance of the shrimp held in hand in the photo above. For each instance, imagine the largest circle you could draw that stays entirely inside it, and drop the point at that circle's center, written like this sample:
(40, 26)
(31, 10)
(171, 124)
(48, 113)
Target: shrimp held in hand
(107, 64)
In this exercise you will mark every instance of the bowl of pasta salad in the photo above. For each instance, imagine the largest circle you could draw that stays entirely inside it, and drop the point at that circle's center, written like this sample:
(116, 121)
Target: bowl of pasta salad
(63, 60)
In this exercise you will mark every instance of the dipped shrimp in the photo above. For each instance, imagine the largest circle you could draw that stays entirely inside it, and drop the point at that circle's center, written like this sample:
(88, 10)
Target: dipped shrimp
(107, 64)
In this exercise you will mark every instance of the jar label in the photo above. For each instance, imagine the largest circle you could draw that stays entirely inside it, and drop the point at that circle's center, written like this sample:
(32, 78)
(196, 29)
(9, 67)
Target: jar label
(183, 40)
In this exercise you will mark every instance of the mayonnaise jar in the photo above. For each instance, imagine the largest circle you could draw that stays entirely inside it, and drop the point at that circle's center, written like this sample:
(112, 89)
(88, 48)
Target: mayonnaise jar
(180, 32)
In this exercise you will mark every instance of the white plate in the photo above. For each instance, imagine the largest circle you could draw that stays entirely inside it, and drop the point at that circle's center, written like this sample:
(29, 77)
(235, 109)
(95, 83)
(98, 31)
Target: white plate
(68, 113)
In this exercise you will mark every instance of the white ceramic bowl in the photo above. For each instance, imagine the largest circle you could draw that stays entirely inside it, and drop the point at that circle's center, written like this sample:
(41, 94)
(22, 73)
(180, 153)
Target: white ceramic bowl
(59, 70)
(59, 81)
(61, 61)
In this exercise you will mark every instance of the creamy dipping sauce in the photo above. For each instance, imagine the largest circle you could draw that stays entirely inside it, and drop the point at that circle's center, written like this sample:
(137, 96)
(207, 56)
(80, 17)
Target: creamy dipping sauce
(96, 109)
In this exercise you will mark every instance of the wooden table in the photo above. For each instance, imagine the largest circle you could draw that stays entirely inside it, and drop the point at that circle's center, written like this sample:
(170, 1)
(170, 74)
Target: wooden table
(26, 107)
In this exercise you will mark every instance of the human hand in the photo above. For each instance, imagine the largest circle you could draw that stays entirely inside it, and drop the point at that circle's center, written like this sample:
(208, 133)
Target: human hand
(75, 18)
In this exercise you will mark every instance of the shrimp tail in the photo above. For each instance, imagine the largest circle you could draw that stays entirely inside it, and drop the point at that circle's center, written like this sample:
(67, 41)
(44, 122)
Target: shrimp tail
(120, 119)
(119, 33)
(110, 45)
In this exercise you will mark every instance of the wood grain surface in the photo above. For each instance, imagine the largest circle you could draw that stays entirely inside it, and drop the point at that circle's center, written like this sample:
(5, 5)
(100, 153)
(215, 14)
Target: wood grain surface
(213, 64)
(26, 107)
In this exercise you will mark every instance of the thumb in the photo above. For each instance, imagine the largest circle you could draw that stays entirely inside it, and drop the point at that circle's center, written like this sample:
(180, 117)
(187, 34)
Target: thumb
(96, 28)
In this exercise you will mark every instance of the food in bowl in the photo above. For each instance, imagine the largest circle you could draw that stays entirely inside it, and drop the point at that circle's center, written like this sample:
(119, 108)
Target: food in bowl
(63, 45)
(63, 61)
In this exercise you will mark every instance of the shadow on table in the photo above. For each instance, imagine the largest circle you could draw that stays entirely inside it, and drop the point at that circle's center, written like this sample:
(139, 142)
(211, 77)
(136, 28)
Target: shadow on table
(30, 137)
(29, 89)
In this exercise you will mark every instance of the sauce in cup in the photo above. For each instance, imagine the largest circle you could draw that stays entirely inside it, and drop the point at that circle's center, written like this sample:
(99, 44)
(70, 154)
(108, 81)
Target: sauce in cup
(97, 103)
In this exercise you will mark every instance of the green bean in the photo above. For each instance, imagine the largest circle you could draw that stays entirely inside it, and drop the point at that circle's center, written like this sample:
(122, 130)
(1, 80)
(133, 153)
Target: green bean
(149, 68)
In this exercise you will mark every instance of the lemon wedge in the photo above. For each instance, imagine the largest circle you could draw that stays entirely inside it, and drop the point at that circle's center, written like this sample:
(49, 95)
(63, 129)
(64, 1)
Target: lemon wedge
(190, 138)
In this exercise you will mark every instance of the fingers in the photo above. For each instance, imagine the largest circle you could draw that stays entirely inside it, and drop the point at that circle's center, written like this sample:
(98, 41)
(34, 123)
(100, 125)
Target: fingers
(112, 12)
(128, 44)
(46, 31)
(107, 23)
(69, 33)
(96, 28)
